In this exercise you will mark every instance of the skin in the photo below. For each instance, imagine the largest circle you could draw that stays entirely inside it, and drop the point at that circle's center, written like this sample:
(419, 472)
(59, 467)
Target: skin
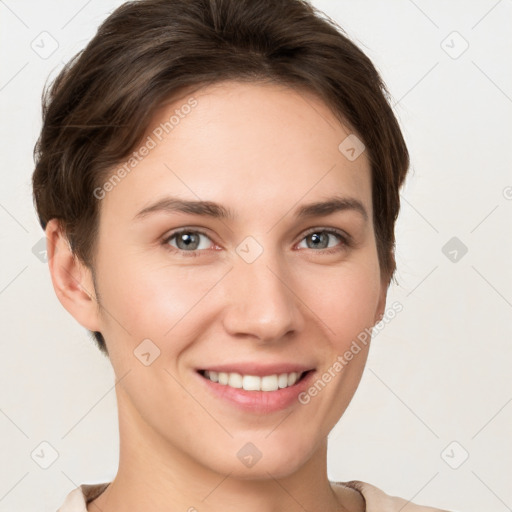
(262, 150)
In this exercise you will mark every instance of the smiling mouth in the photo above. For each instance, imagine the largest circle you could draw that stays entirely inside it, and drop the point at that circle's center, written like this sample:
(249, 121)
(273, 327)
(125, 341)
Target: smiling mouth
(254, 382)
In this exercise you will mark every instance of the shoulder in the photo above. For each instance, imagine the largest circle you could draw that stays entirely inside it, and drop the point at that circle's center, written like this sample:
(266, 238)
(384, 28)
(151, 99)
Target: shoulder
(78, 498)
(378, 501)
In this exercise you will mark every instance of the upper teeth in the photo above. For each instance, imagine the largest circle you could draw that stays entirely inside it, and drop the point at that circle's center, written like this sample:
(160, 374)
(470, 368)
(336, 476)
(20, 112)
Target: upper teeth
(253, 382)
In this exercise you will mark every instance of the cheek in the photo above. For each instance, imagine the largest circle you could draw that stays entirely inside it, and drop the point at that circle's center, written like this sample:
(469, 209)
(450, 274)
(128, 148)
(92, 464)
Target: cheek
(148, 300)
(346, 302)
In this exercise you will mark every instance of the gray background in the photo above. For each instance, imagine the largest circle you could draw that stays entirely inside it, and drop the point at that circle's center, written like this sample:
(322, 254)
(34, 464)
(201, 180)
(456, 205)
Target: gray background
(437, 387)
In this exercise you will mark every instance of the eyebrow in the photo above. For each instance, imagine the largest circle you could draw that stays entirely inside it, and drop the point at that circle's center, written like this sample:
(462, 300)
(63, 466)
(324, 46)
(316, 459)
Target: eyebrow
(211, 209)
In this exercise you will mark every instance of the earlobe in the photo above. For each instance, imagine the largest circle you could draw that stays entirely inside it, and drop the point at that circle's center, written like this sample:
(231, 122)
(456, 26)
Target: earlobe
(72, 280)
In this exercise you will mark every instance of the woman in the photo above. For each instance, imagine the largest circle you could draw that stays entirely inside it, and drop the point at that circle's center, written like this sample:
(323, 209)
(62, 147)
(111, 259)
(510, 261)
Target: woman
(219, 183)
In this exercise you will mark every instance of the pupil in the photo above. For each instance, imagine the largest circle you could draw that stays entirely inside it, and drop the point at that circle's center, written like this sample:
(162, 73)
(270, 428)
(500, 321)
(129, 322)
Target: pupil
(316, 238)
(187, 239)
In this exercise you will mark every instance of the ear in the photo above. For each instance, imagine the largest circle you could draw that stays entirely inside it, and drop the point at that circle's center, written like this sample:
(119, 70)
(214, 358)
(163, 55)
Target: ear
(381, 306)
(71, 279)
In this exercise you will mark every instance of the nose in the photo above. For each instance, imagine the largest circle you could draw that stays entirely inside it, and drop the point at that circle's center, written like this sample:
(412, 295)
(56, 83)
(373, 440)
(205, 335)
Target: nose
(261, 300)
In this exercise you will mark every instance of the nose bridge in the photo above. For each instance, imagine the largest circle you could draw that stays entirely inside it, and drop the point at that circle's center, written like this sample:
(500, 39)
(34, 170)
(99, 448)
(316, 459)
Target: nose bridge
(261, 302)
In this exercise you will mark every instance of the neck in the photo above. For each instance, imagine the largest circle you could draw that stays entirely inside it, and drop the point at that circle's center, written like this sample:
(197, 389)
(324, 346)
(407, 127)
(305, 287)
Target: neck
(156, 475)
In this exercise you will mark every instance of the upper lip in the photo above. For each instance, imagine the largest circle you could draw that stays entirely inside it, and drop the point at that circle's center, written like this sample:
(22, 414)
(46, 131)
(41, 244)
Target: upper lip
(257, 369)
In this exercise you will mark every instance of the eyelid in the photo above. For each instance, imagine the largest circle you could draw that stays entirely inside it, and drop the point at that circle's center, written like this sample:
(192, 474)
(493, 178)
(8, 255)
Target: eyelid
(188, 229)
(335, 231)
(347, 242)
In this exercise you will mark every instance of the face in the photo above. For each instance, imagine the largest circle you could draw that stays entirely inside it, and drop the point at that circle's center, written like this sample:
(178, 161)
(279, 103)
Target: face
(244, 289)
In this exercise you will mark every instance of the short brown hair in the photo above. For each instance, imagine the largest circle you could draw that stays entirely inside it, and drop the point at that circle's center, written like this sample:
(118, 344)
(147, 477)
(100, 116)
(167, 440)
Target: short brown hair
(98, 108)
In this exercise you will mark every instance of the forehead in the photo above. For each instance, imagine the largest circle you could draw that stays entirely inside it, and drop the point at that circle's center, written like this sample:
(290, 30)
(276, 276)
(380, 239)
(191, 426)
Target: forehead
(249, 144)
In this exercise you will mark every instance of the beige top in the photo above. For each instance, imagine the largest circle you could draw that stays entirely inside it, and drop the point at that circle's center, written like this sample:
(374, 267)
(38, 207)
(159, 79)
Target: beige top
(376, 500)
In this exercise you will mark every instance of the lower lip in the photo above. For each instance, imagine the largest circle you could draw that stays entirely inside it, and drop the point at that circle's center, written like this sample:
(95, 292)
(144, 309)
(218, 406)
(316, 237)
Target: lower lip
(259, 401)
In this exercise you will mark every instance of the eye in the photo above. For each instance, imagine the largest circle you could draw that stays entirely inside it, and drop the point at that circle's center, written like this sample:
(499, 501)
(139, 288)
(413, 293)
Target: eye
(188, 241)
(320, 239)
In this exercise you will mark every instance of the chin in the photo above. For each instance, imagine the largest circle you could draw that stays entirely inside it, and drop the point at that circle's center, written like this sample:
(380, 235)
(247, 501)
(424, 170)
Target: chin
(259, 459)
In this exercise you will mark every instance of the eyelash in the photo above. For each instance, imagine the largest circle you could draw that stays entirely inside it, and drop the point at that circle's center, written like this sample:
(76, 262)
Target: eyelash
(345, 239)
